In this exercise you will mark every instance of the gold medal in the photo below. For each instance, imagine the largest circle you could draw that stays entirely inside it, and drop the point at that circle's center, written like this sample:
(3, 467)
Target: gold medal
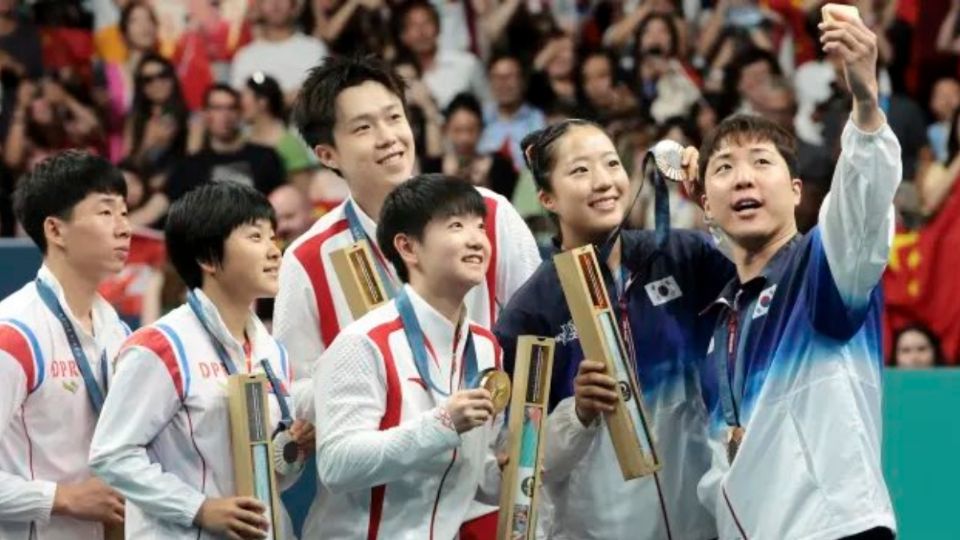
(734, 438)
(497, 382)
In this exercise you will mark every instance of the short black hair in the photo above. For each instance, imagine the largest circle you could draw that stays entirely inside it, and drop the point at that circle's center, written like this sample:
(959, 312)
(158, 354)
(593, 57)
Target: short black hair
(741, 128)
(55, 186)
(315, 112)
(938, 356)
(467, 102)
(220, 87)
(199, 224)
(266, 87)
(418, 201)
(539, 148)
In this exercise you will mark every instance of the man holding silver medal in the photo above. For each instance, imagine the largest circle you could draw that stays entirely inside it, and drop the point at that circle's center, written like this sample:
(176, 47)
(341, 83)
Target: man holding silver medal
(792, 378)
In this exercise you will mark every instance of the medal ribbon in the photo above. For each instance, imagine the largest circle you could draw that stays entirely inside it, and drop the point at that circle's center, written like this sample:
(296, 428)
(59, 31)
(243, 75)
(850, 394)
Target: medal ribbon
(94, 392)
(411, 327)
(359, 233)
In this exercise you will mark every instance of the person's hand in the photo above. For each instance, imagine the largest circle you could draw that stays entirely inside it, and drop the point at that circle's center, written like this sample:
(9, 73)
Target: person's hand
(159, 131)
(469, 409)
(90, 500)
(690, 161)
(372, 4)
(594, 391)
(237, 518)
(856, 45)
(503, 459)
(303, 433)
(26, 92)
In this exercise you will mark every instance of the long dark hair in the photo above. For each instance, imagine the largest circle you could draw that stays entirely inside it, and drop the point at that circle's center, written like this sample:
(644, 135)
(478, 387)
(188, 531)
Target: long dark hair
(142, 107)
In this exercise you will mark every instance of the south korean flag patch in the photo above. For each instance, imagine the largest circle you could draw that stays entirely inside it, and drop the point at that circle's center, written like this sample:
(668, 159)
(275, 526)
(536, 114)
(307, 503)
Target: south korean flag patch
(663, 290)
(764, 301)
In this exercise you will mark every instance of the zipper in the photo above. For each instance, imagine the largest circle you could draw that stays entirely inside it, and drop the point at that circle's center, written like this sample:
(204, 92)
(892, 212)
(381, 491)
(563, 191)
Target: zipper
(436, 502)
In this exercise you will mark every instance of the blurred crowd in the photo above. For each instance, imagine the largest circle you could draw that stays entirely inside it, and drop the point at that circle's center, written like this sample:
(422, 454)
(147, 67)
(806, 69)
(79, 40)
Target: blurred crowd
(181, 92)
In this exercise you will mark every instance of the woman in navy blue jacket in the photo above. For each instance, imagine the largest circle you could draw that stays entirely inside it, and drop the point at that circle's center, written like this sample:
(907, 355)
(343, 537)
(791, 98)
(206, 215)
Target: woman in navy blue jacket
(658, 290)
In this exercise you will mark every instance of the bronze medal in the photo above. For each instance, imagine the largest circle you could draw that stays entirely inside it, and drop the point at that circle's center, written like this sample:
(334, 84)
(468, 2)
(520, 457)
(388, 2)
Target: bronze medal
(734, 438)
(496, 382)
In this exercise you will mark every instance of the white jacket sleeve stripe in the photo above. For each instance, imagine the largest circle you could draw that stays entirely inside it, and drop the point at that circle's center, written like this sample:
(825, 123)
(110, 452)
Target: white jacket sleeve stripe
(176, 363)
(21, 343)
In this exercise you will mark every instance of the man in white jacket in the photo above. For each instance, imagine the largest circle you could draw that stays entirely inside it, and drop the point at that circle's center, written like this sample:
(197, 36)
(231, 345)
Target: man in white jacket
(405, 436)
(56, 336)
(352, 112)
(163, 439)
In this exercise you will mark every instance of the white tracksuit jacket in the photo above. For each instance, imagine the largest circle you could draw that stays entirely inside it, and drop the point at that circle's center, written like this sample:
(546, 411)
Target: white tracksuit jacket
(46, 421)
(392, 467)
(163, 439)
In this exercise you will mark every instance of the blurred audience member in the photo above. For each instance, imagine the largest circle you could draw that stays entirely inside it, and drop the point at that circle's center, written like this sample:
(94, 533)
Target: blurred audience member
(508, 118)
(139, 29)
(446, 72)
(155, 137)
(47, 119)
(20, 58)
(944, 101)
(553, 82)
(348, 26)
(226, 156)
(604, 94)
(462, 158)
(666, 89)
(294, 213)
(281, 50)
(916, 347)
(265, 113)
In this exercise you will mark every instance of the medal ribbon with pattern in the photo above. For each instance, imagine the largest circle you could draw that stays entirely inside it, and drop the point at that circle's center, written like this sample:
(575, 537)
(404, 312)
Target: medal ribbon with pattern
(95, 393)
(359, 233)
(411, 327)
(195, 306)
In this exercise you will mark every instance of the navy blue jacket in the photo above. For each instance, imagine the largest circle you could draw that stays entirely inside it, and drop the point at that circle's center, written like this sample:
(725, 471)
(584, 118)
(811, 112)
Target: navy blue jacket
(670, 338)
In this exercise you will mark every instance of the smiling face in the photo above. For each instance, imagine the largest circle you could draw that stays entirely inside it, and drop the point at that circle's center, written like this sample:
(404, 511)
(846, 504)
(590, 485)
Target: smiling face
(588, 185)
(451, 254)
(251, 261)
(373, 147)
(749, 191)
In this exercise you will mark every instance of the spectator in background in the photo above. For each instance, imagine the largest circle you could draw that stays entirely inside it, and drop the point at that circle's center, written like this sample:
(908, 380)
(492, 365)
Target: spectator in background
(20, 58)
(665, 88)
(226, 156)
(462, 158)
(425, 117)
(294, 213)
(155, 135)
(775, 100)
(265, 113)
(446, 72)
(508, 118)
(281, 50)
(348, 26)
(604, 95)
(746, 75)
(139, 29)
(47, 119)
(944, 101)
(916, 347)
(553, 82)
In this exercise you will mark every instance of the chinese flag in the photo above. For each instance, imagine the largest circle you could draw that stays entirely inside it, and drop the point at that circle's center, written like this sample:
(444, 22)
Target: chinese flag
(922, 281)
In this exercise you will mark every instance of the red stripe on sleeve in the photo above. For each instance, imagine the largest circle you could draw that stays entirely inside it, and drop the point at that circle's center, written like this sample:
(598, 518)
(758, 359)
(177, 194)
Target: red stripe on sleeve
(491, 227)
(157, 343)
(310, 256)
(15, 344)
(391, 416)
